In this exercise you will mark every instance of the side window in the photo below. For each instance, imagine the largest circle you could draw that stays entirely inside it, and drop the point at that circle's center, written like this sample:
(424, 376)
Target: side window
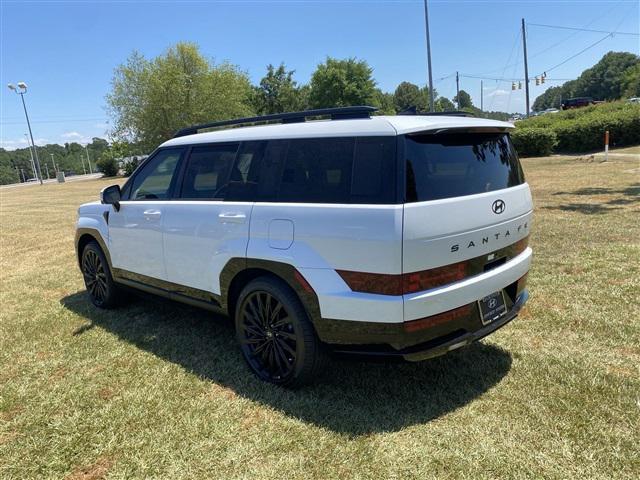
(245, 172)
(317, 170)
(154, 181)
(208, 172)
(374, 171)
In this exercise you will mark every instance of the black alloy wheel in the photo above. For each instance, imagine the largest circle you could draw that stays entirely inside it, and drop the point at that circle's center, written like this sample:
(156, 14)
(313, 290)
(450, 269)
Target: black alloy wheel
(276, 337)
(97, 277)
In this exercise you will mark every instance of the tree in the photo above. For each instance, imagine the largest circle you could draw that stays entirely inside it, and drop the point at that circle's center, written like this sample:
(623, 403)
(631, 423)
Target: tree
(409, 95)
(465, 100)
(384, 102)
(151, 99)
(443, 104)
(277, 92)
(609, 79)
(631, 82)
(342, 83)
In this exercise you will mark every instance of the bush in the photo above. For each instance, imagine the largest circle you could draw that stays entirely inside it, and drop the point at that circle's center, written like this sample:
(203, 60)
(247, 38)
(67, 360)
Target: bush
(582, 129)
(534, 142)
(130, 166)
(108, 166)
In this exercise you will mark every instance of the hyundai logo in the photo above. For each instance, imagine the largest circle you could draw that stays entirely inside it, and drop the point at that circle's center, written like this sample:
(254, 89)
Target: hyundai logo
(498, 206)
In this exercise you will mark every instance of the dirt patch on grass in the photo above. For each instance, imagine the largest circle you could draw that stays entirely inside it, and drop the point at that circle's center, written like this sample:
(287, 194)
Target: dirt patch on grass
(95, 471)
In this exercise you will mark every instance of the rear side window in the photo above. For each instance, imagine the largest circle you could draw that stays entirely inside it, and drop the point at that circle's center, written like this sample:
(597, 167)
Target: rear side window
(209, 170)
(332, 170)
(458, 164)
(317, 170)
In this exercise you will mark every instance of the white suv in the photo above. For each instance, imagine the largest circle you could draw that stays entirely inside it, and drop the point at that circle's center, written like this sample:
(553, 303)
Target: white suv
(396, 236)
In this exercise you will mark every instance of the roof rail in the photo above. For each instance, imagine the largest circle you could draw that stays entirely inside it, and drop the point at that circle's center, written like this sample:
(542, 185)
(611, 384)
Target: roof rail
(413, 110)
(338, 113)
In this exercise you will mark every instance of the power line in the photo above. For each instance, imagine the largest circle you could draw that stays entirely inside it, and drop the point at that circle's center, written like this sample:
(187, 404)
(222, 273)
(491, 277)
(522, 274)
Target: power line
(583, 29)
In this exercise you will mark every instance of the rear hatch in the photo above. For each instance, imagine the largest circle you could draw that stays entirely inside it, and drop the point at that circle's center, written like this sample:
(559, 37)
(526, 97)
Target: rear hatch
(466, 198)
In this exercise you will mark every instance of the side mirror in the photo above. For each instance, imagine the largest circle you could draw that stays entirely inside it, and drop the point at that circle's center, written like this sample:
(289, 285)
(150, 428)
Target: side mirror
(111, 195)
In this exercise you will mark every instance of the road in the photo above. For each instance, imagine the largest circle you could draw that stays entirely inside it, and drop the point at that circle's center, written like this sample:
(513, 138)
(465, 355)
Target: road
(74, 178)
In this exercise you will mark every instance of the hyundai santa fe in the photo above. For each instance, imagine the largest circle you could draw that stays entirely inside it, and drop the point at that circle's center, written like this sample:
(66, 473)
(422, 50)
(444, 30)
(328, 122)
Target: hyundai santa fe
(323, 231)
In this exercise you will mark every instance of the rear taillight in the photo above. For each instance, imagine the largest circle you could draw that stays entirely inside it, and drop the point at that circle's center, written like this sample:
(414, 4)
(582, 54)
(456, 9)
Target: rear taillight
(380, 283)
(435, 277)
(386, 284)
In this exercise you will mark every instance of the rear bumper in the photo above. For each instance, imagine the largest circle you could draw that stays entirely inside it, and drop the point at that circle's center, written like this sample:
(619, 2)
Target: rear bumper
(393, 341)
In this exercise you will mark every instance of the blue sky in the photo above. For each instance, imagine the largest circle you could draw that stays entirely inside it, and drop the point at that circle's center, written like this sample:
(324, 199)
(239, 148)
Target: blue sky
(66, 51)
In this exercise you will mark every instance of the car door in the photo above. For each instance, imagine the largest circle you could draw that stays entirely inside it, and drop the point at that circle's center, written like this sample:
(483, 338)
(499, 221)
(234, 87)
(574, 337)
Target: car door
(208, 223)
(135, 230)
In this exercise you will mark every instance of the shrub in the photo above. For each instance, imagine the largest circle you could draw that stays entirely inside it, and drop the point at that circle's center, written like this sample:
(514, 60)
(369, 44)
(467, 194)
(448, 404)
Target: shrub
(108, 166)
(130, 166)
(582, 129)
(534, 142)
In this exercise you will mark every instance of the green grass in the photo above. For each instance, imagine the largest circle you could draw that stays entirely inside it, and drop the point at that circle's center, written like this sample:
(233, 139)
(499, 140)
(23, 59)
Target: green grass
(159, 390)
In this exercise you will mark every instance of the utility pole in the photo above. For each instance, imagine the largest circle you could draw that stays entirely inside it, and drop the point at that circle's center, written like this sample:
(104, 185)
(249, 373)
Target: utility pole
(458, 90)
(24, 179)
(526, 68)
(426, 21)
(55, 169)
(83, 167)
(18, 173)
(47, 169)
(481, 97)
(87, 152)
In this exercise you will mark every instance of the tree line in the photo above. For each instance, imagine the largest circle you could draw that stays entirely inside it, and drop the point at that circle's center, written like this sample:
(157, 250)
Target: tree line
(615, 76)
(152, 98)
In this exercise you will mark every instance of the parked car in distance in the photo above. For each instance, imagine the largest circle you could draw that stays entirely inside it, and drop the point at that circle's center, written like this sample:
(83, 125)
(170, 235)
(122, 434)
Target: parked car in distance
(633, 100)
(578, 102)
(392, 236)
(549, 110)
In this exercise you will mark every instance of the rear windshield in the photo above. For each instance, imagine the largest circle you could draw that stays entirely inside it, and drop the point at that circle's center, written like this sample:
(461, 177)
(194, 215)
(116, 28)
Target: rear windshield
(458, 164)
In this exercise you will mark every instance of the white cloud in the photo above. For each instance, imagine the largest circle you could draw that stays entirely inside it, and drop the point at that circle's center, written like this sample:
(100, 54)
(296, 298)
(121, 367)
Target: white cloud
(71, 135)
(498, 93)
(75, 137)
(20, 143)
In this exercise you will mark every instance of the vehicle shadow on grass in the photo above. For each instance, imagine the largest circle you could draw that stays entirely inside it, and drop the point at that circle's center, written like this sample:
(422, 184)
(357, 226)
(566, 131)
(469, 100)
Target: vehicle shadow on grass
(350, 397)
(630, 195)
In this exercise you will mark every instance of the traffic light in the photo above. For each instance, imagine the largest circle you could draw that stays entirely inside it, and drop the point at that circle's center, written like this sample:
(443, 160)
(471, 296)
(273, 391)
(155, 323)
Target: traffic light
(519, 85)
(513, 85)
(537, 81)
(543, 77)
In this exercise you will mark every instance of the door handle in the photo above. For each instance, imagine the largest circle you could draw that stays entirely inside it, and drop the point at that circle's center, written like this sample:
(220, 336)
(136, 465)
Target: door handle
(230, 217)
(152, 214)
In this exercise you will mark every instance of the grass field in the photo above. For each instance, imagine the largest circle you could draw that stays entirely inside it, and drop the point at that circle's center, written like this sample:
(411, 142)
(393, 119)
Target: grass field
(159, 390)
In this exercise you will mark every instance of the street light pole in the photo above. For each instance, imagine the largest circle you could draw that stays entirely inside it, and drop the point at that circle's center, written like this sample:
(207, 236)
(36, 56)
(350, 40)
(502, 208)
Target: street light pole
(55, 169)
(87, 152)
(426, 20)
(21, 90)
(33, 163)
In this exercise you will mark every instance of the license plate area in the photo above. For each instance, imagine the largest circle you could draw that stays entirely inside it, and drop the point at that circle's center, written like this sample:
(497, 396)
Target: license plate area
(492, 307)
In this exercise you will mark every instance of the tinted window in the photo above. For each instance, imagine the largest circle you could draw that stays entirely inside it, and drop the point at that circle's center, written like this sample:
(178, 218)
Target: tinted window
(209, 170)
(317, 170)
(333, 170)
(154, 181)
(245, 173)
(374, 173)
(458, 164)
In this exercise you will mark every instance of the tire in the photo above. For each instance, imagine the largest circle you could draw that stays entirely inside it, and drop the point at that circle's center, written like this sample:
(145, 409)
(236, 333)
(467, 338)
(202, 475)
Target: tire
(102, 291)
(275, 334)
